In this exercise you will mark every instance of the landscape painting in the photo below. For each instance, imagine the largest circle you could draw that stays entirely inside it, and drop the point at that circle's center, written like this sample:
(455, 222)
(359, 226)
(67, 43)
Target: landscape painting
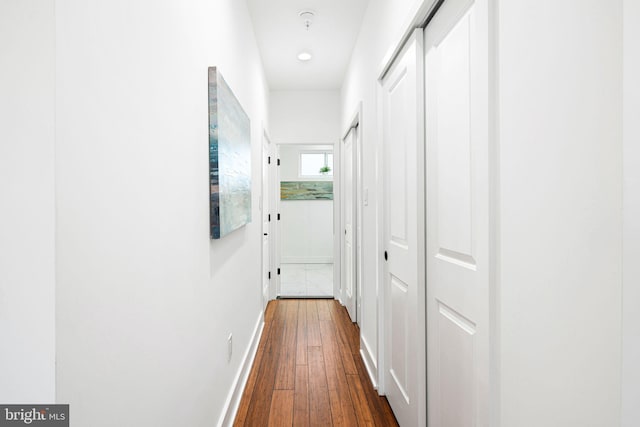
(306, 190)
(229, 159)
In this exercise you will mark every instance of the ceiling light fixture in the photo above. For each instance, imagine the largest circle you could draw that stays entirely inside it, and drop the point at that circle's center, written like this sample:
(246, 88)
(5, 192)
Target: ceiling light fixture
(307, 17)
(304, 56)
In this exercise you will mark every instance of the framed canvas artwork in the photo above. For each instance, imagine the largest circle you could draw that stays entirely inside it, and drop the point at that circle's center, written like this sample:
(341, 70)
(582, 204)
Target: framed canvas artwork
(229, 159)
(306, 190)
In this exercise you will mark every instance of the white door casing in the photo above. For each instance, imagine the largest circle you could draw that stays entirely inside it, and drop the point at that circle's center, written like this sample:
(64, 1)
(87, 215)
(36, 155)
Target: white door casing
(349, 239)
(404, 234)
(457, 184)
(359, 204)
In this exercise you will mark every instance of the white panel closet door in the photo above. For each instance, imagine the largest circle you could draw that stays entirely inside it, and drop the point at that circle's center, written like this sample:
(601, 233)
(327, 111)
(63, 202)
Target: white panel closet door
(404, 288)
(349, 220)
(456, 116)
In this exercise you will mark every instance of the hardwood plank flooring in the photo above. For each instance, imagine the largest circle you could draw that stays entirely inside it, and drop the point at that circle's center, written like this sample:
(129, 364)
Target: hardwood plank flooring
(301, 396)
(281, 412)
(308, 371)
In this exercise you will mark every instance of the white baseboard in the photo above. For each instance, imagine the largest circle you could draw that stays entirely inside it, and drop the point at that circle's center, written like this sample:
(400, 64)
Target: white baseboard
(369, 361)
(232, 403)
(306, 260)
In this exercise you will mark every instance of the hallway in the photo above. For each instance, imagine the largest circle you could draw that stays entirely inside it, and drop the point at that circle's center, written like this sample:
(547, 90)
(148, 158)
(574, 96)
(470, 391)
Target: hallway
(308, 371)
(471, 189)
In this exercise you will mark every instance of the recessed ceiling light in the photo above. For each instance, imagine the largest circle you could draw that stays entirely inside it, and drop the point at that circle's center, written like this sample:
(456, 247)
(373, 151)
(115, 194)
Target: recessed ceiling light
(304, 56)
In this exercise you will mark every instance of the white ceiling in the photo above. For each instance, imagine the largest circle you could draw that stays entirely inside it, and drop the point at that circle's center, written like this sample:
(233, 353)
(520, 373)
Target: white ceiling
(281, 35)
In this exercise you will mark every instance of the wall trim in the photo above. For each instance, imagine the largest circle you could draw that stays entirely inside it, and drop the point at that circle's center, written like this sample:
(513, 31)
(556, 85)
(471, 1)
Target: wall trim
(230, 409)
(369, 361)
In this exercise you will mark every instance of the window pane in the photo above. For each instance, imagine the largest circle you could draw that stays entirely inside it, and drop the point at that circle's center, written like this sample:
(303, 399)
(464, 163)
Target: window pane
(330, 163)
(310, 163)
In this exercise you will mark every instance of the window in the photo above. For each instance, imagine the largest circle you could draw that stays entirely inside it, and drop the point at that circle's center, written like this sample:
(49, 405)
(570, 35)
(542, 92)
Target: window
(316, 163)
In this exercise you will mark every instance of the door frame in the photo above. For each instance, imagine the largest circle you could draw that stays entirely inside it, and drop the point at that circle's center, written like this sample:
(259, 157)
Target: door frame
(355, 123)
(276, 210)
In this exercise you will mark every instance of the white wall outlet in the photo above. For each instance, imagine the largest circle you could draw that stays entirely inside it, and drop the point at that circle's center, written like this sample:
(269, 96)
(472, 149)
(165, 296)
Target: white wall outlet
(229, 347)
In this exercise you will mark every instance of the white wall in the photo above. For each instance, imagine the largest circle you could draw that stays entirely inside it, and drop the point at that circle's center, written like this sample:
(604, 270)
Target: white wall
(304, 117)
(560, 163)
(631, 290)
(27, 216)
(145, 301)
(382, 26)
(306, 225)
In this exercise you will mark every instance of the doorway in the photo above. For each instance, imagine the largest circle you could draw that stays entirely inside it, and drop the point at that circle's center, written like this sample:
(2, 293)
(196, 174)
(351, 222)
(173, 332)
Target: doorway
(306, 221)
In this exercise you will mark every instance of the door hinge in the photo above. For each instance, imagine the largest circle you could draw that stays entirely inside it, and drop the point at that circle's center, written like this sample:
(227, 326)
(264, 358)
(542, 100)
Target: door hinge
(278, 162)
(269, 275)
(269, 217)
(278, 271)
(278, 217)
(269, 160)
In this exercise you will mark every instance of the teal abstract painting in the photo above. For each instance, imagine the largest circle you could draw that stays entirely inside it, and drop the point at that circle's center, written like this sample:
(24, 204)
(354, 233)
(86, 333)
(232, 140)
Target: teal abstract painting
(229, 159)
(306, 190)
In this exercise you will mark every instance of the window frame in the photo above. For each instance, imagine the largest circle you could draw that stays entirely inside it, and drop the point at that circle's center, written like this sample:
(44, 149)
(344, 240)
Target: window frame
(318, 174)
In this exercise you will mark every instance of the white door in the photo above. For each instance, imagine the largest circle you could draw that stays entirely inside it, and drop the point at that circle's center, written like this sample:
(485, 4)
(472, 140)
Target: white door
(266, 223)
(456, 118)
(404, 246)
(349, 269)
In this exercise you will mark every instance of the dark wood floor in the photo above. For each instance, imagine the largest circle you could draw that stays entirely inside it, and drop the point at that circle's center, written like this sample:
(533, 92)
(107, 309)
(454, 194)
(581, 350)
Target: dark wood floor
(308, 371)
